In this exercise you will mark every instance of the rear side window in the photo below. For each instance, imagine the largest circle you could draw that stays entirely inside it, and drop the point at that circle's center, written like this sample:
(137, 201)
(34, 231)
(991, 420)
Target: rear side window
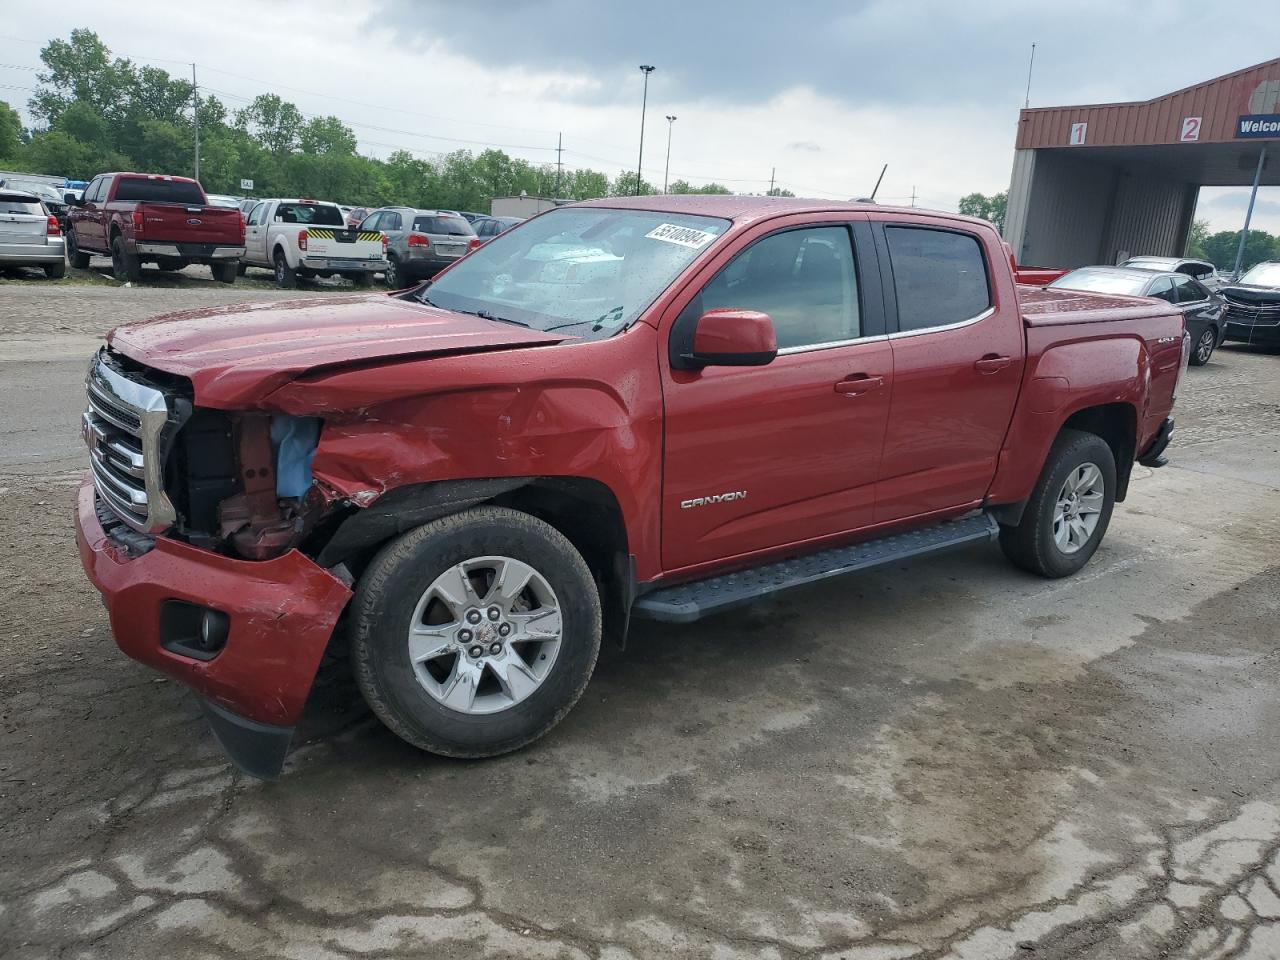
(160, 191)
(1188, 290)
(940, 276)
(1162, 289)
(316, 214)
(449, 226)
(20, 205)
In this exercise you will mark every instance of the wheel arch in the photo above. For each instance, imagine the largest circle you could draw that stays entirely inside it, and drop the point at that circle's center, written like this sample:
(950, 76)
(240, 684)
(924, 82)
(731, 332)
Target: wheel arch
(584, 510)
(1117, 424)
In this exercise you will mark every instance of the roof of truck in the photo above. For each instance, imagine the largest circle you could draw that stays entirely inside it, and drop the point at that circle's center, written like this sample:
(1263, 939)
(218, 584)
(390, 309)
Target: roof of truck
(733, 207)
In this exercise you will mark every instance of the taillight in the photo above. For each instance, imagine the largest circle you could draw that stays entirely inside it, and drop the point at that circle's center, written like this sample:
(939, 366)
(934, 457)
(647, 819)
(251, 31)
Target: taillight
(137, 222)
(475, 243)
(384, 243)
(416, 240)
(302, 239)
(53, 228)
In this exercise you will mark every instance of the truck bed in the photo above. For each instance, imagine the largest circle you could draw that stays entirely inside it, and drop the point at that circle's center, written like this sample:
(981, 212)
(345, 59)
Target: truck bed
(1043, 307)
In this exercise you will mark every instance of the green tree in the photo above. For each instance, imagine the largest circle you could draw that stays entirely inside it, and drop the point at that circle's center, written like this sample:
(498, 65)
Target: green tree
(274, 123)
(1197, 236)
(778, 192)
(991, 208)
(625, 186)
(1220, 248)
(326, 135)
(684, 186)
(10, 132)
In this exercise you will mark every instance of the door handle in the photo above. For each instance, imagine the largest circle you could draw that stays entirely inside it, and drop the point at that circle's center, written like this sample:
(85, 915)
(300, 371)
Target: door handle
(991, 363)
(857, 384)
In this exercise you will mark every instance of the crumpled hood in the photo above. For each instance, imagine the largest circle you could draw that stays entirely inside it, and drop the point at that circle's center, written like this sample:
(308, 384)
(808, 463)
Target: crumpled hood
(237, 354)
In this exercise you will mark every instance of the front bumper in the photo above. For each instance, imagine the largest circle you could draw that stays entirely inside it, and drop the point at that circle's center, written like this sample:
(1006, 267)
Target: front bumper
(1260, 333)
(281, 612)
(189, 251)
(1154, 456)
(340, 265)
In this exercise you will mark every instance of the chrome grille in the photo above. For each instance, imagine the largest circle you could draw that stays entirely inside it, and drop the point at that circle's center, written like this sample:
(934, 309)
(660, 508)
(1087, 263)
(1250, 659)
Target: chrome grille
(122, 428)
(1252, 313)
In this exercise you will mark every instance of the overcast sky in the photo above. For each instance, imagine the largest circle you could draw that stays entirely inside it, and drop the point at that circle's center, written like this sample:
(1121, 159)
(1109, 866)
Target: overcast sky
(824, 91)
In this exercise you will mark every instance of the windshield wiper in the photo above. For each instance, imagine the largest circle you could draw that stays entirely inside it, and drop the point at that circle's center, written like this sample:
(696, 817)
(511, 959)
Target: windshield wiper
(596, 325)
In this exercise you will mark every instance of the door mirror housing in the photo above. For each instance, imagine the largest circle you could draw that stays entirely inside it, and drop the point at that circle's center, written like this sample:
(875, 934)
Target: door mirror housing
(732, 338)
(72, 200)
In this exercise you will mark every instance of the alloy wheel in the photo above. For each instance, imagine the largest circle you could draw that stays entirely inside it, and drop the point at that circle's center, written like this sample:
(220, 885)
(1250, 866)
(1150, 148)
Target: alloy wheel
(1078, 507)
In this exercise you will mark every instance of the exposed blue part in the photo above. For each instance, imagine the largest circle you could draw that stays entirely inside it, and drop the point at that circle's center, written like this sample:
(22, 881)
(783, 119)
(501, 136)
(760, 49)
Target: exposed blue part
(294, 441)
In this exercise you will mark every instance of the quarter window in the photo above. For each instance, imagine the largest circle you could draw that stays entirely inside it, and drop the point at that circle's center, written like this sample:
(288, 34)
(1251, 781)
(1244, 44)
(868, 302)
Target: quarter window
(1188, 290)
(804, 280)
(1162, 289)
(940, 276)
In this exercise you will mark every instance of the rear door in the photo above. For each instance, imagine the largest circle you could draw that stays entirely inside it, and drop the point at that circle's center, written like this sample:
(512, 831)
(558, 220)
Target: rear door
(957, 339)
(1201, 314)
(759, 458)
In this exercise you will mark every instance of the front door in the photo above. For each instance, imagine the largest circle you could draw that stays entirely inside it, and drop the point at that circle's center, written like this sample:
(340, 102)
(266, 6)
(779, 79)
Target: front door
(255, 235)
(759, 458)
(957, 363)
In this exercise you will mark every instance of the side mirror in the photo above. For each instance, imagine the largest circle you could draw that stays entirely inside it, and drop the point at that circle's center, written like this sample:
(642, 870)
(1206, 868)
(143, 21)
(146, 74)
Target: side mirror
(72, 200)
(732, 338)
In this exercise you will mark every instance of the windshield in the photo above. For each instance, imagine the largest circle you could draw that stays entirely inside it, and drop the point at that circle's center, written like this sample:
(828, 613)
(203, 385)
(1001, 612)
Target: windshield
(589, 270)
(318, 214)
(1263, 275)
(1098, 281)
(39, 189)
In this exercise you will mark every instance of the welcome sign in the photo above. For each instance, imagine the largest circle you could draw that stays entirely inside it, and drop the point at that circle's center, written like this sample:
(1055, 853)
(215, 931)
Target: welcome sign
(1258, 125)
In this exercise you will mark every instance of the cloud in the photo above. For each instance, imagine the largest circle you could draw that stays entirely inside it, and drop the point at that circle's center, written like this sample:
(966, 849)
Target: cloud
(808, 146)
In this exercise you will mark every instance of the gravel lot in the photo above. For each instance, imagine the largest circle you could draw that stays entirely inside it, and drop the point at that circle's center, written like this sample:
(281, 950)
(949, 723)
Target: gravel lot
(950, 759)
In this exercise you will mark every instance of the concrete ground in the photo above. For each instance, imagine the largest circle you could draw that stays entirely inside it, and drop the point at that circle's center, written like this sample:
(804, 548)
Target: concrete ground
(948, 759)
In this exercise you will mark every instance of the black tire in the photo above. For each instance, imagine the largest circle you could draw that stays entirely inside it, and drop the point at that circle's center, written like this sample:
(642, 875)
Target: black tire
(1203, 348)
(56, 271)
(388, 594)
(225, 272)
(391, 276)
(79, 259)
(360, 280)
(1031, 544)
(125, 266)
(241, 267)
(286, 276)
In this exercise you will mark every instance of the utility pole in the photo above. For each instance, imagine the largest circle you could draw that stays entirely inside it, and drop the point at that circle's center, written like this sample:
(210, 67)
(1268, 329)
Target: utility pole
(195, 115)
(559, 161)
(773, 172)
(646, 69)
(1027, 103)
(913, 195)
(666, 176)
(1248, 216)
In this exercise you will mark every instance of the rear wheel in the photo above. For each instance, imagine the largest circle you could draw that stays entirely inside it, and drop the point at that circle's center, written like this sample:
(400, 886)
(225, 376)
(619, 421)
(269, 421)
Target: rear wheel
(56, 271)
(286, 276)
(241, 268)
(392, 274)
(1204, 347)
(125, 266)
(79, 259)
(476, 633)
(360, 279)
(1069, 510)
(225, 272)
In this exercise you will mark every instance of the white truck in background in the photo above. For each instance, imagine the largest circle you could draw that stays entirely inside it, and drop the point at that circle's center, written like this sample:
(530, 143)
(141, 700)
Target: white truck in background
(310, 238)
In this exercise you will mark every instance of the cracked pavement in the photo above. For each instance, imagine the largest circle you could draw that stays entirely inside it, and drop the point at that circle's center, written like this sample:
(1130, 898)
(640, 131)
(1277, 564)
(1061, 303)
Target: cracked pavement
(944, 760)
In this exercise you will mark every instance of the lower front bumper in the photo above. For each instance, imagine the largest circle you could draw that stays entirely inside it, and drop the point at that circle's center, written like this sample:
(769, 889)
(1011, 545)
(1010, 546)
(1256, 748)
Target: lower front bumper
(1267, 334)
(1153, 456)
(281, 613)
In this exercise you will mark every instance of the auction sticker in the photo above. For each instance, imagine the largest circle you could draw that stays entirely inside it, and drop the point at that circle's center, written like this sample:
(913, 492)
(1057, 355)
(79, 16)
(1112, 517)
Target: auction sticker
(684, 236)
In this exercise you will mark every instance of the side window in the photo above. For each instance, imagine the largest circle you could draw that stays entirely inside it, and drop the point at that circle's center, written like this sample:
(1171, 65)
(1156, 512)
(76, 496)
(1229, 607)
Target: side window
(390, 221)
(804, 280)
(1162, 289)
(94, 193)
(372, 222)
(1187, 290)
(259, 211)
(940, 276)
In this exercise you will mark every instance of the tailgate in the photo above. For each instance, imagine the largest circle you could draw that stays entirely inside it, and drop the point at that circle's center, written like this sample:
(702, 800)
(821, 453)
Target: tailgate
(23, 228)
(179, 223)
(340, 243)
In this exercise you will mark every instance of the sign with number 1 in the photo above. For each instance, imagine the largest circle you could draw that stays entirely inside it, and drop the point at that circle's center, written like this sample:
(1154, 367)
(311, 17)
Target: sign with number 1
(1078, 131)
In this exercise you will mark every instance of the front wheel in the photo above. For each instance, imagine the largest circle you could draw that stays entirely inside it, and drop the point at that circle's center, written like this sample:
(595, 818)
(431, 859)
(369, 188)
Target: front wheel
(1069, 510)
(474, 634)
(1204, 347)
(79, 259)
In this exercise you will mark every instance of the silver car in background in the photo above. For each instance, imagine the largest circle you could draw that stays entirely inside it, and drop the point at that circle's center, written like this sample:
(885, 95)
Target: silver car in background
(420, 243)
(30, 235)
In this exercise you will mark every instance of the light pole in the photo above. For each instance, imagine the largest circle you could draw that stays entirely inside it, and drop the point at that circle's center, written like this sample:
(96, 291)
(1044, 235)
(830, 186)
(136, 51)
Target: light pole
(666, 175)
(646, 69)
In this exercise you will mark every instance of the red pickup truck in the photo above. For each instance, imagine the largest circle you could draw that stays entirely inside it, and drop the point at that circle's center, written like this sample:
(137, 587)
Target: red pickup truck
(138, 218)
(654, 407)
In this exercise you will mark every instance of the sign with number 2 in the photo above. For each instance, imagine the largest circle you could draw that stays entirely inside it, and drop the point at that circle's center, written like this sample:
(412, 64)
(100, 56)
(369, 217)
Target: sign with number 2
(1190, 130)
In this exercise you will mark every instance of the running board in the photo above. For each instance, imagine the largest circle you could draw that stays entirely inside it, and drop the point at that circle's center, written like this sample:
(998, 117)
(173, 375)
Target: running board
(687, 602)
